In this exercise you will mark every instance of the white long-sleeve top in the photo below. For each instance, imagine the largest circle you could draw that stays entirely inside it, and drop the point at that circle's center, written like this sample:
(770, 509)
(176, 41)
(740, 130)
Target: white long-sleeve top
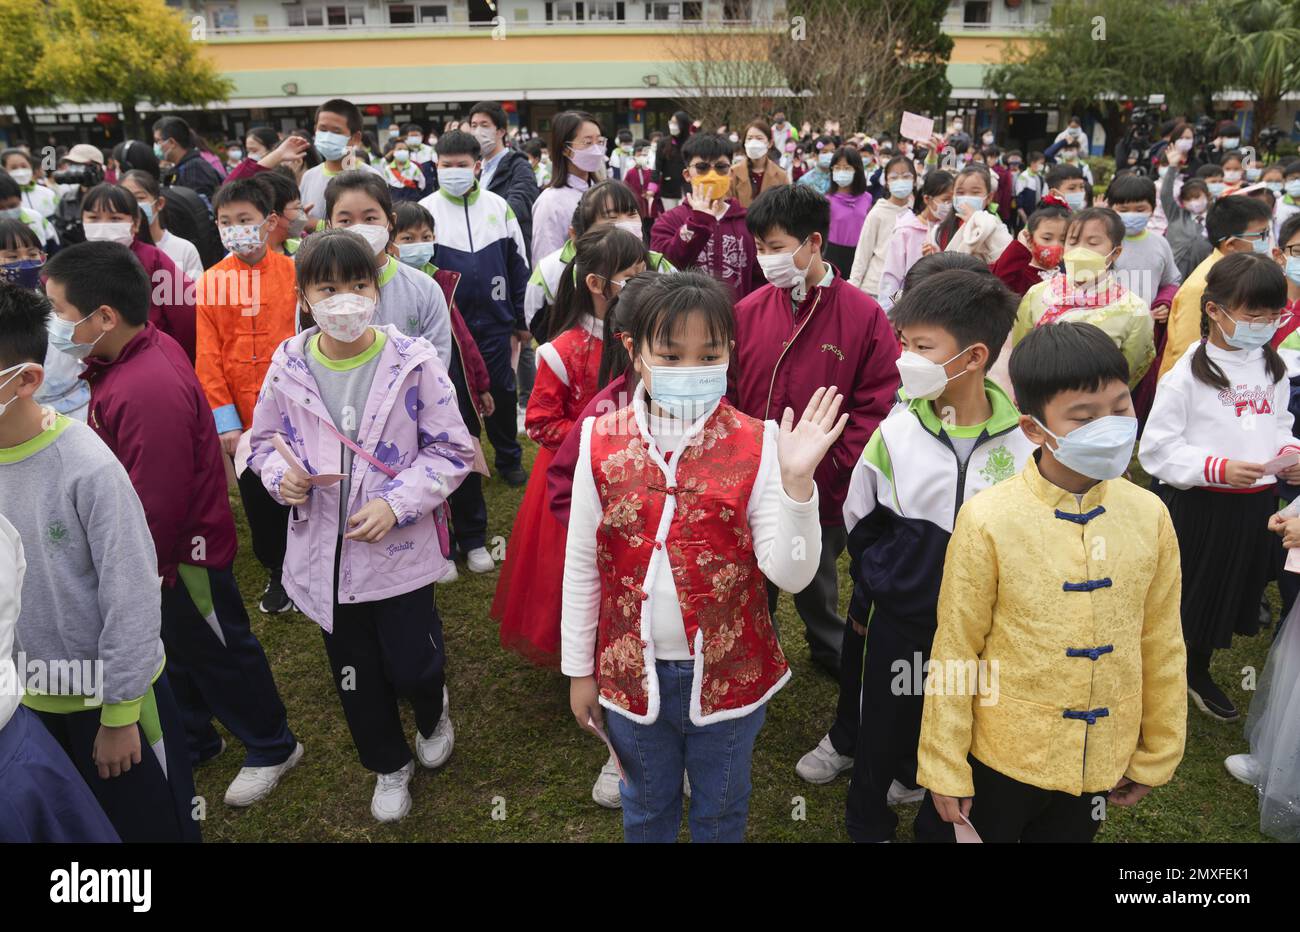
(1195, 428)
(775, 522)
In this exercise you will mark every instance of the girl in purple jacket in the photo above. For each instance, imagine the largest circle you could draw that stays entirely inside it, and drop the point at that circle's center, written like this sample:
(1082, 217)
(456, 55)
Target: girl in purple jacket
(357, 429)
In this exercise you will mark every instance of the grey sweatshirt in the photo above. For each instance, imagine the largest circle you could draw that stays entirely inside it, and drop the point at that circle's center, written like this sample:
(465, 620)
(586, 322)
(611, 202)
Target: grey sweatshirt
(413, 303)
(92, 590)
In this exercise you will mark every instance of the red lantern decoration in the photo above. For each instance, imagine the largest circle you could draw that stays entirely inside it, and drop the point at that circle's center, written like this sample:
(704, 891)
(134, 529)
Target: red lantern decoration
(105, 119)
(638, 104)
(1012, 105)
(509, 106)
(374, 110)
(1128, 105)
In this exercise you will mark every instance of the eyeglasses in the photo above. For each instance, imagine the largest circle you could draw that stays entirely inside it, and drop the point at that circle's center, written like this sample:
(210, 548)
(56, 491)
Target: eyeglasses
(702, 168)
(589, 142)
(1256, 237)
(1293, 250)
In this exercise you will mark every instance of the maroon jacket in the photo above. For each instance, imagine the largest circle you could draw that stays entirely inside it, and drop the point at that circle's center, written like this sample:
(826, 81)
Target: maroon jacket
(724, 248)
(471, 360)
(839, 337)
(1014, 269)
(148, 406)
(171, 296)
(247, 168)
(559, 476)
(641, 180)
(1005, 196)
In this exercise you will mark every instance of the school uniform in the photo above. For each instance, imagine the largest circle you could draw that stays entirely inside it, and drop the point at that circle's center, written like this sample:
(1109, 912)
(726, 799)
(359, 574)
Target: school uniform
(906, 492)
(316, 179)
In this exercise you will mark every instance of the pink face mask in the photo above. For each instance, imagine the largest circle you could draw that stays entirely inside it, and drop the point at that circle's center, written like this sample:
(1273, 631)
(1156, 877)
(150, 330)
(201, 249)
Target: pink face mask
(591, 159)
(345, 316)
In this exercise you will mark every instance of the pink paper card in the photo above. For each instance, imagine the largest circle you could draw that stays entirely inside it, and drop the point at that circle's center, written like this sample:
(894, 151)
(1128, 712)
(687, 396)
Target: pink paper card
(314, 479)
(966, 833)
(600, 733)
(916, 127)
(1280, 463)
(1292, 561)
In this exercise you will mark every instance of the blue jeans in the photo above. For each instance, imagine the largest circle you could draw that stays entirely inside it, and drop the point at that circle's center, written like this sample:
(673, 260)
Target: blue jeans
(716, 758)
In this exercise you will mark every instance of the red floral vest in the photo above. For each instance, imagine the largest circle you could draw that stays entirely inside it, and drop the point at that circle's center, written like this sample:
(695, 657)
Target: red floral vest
(710, 551)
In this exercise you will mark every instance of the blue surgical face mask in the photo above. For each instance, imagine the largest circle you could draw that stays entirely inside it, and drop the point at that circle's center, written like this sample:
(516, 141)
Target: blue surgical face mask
(1100, 449)
(1216, 188)
(11, 213)
(331, 146)
(1248, 336)
(25, 273)
(1135, 222)
(416, 255)
(1075, 199)
(1262, 247)
(456, 181)
(686, 392)
(1292, 187)
(900, 188)
(1274, 186)
(824, 160)
(1293, 269)
(147, 208)
(60, 332)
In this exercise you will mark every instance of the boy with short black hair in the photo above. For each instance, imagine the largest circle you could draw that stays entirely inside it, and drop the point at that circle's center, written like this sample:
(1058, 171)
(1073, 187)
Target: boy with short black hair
(286, 204)
(1061, 592)
(957, 434)
(1066, 187)
(808, 328)
(1035, 254)
(90, 595)
(147, 405)
(1146, 264)
(338, 131)
(707, 230)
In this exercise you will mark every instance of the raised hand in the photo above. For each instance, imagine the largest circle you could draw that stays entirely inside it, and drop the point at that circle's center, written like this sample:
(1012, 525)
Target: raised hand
(290, 149)
(800, 447)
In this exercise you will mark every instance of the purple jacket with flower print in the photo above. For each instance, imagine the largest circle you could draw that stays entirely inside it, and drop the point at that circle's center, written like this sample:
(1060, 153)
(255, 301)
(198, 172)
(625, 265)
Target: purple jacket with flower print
(412, 424)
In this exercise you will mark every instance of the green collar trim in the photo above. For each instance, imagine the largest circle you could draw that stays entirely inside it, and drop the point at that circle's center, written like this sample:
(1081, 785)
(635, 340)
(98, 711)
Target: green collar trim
(1004, 416)
(469, 198)
(388, 271)
(352, 362)
(38, 443)
(568, 251)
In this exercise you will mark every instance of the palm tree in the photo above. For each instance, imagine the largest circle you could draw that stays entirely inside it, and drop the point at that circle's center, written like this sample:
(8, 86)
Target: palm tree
(1256, 45)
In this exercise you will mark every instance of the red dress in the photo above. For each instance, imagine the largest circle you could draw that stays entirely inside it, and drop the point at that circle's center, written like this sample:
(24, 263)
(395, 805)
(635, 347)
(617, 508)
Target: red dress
(531, 584)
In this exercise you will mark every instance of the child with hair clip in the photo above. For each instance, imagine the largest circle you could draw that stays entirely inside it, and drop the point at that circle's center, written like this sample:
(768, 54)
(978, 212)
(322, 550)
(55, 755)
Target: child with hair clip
(356, 429)
(913, 235)
(527, 601)
(1218, 432)
(682, 508)
(970, 226)
(413, 235)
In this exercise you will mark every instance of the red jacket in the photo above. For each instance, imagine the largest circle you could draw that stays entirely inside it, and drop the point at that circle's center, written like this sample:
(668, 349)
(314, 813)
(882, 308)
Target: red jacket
(839, 337)
(471, 360)
(1014, 269)
(171, 297)
(1005, 196)
(148, 406)
(641, 180)
(724, 248)
(559, 475)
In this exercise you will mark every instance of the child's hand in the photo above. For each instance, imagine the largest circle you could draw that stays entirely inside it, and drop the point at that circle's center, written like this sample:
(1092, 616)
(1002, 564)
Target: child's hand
(1290, 475)
(371, 522)
(1291, 534)
(952, 808)
(1127, 793)
(1241, 475)
(1277, 522)
(1173, 156)
(294, 486)
(699, 200)
(800, 447)
(291, 149)
(928, 248)
(1160, 313)
(487, 404)
(116, 749)
(230, 442)
(583, 702)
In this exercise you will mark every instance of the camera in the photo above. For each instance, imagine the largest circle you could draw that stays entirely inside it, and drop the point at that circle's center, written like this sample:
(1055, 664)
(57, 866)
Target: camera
(1269, 138)
(87, 174)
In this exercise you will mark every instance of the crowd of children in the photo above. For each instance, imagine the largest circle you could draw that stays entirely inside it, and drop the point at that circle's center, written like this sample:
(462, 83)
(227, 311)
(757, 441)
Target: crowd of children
(942, 359)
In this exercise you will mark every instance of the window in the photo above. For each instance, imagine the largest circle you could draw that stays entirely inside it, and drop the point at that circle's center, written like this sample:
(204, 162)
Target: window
(605, 11)
(338, 16)
(222, 16)
(976, 12)
(564, 11)
(434, 13)
(734, 11)
(401, 14)
(662, 11)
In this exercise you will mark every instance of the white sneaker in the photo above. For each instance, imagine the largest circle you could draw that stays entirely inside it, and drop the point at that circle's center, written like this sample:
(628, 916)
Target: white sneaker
(823, 763)
(686, 785)
(449, 575)
(253, 783)
(1244, 767)
(480, 561)
(434, 750)
(392, 799)
(605, 790)
(520, 414)
(900, 795)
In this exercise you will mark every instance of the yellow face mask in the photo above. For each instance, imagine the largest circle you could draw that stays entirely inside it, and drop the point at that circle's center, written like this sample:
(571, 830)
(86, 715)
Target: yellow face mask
(715, 186)
(1084, 267)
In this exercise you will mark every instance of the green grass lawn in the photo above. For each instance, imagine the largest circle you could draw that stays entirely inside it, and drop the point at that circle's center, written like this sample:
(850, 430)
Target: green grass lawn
(522, 770)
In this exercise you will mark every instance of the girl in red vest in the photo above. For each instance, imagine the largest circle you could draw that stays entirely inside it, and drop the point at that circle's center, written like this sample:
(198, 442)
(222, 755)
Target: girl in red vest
(527, 601)
(681, 507)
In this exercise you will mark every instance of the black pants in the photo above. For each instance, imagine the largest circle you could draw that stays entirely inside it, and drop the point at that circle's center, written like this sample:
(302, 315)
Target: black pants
(468, 508)
(268, 521)
(503, 429)
(145, 803)
(844, 730)
(1006, 810)
(890, 726)
(380, 652)
(818, 603)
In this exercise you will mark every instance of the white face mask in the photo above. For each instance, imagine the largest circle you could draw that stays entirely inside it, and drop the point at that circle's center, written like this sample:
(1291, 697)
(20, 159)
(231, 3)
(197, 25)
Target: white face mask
(924, 378)
(487, 139)
(375, 236)
(17, 371)
(22, 175)
(631, 226)
(1100, 449)
(686, 392)
(344, 316)
(109, 232)
(755, 148)
(780, 269)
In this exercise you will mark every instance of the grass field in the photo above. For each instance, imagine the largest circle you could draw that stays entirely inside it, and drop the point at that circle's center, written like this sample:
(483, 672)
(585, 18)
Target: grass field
(522, 770)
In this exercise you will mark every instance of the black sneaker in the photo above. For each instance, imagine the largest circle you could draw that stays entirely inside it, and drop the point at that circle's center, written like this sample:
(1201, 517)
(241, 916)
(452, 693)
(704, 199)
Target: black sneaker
(514, 476)
(1265, 614)
(275, 601)
(1211, 700)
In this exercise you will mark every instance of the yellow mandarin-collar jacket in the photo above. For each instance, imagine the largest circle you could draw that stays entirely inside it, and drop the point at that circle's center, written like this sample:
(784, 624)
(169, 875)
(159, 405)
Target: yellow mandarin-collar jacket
(1067, 714)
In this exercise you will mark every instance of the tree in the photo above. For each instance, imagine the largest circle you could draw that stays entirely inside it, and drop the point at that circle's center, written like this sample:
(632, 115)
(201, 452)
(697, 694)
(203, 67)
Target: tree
(1256, 45)
(25, 27)
(723, 74)
(127, 51)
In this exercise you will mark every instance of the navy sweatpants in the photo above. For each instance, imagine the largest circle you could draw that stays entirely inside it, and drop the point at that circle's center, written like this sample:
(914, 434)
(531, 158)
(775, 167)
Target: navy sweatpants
(217, 667)
(146, 803)
(468, 507)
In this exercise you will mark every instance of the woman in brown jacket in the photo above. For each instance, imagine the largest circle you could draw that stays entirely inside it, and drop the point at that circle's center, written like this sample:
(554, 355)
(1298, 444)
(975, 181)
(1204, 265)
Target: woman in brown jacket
(758, 170)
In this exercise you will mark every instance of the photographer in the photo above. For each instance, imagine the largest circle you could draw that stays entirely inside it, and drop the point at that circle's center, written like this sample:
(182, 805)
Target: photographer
(79, 171)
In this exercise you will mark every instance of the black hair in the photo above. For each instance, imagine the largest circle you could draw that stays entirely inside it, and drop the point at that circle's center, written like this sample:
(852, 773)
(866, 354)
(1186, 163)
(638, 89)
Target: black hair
(620, 318)
(1209, 170)
(906, 162)
(282, 188)
(935, 183)
(176, 129)
(625, 136)
(98, 274)
(534, 147)
(1230, 156)
(604, 252)
(1229, 217)
(311, 158)
(333, 255)
(134, 155)
(243, 191)
(1243, 280)
(669, 301)
(1045, 213)
(119, 200)
(1060, 173)
(854, 158)
(31, 160)
(564, 127)
(948, 228)
(492, 110)
(606, 197)
(23, 312)
(944, 261)
(1107, 217)
(1131, 188)
(459, 142)
(265, 135)
(1290, 227)
(797, 209)
(1292, 168)
(707, 146)
(14, 234)
(408, 127)
(640, 144)
(8, 187)
(1193, 186)
(344, 108)
(409, 215)
(1064, 357)
(149, 184)
(974, 307)
(358, 180)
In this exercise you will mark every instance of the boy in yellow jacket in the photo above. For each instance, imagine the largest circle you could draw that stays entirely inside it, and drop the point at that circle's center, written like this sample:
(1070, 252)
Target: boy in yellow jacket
(1060, 602)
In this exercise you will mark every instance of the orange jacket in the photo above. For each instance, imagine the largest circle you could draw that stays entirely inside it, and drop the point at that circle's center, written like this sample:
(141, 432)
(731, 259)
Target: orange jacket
(243, 313)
